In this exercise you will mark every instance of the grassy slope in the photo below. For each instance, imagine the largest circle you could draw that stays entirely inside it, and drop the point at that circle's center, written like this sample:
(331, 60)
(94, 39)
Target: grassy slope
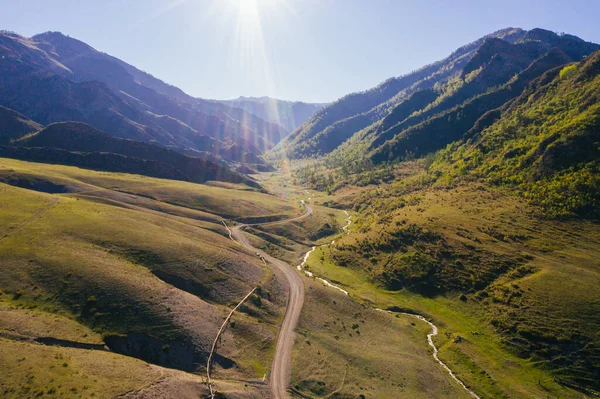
(34, 370)
(345, 349)
(92, 256)
(211, 199)
(545, 144)
(506, 259)
(545, 303)
(386, 358)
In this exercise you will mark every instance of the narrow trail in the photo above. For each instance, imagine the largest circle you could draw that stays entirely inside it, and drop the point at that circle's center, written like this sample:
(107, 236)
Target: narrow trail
(214, 345)
(281, 370)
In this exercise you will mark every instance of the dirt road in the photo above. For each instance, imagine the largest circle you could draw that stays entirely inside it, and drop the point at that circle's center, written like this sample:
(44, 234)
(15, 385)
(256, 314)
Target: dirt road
(281, 368)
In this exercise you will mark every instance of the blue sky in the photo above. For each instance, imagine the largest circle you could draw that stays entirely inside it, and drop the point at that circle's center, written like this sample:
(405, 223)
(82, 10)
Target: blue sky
(310, 50)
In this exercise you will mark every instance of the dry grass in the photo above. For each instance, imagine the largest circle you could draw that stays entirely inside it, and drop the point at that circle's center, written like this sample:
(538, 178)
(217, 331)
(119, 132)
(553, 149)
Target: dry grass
(217, 200)
(345, 349)
(104, 260)
(31, 370)
(33, 324)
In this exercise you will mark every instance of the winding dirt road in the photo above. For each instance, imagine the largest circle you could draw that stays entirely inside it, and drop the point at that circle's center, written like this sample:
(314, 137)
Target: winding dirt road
(281, 367)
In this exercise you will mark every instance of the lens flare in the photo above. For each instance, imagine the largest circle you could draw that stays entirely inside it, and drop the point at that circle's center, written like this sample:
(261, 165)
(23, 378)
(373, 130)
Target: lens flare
(249, 49)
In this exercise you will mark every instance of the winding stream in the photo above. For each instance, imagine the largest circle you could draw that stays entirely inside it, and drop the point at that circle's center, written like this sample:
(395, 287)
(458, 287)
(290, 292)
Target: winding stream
(434, 329)
(434, 332)
(310, 274)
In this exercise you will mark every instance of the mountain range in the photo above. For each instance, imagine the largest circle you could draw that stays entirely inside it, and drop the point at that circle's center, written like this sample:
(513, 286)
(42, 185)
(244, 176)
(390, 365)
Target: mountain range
(469, 192)
(289, 114)
(425, 110)
(55, 78)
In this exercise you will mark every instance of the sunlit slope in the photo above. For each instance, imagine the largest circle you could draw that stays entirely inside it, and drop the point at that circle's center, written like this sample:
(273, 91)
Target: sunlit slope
(505, 340)
(108, 261)
(345, 349)
(545, 144)
(498, 234)
(210, 199)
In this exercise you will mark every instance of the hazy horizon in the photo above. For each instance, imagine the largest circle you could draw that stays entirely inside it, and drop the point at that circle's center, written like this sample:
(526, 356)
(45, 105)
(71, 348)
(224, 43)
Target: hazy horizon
(287, 49)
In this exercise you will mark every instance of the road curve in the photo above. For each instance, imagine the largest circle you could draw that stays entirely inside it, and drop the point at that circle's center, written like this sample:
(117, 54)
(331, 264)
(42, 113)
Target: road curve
(281, 367)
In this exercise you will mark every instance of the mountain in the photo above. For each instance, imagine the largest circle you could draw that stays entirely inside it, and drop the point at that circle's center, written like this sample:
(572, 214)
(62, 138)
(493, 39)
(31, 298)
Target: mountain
(546, 143)
(14, 125)
(289, 114)
(53, 78)
(545, 146)
(499, 72)
(86, 63)
(78, 144)
(430, 131)
(479, 201)
(336, 122)
(423, 111)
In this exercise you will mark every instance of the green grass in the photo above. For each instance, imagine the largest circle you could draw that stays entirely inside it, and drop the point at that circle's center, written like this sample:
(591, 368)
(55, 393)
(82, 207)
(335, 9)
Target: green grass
(544, 146)
(216, 200)
(555, 301)
(345, 349)
(33, 323)
(120, 255)
(31, 370)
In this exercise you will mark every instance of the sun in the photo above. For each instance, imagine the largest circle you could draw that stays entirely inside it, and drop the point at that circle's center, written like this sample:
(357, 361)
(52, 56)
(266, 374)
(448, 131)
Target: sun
(247, 19)
(248, 8)
(255, 9)
(249, 38)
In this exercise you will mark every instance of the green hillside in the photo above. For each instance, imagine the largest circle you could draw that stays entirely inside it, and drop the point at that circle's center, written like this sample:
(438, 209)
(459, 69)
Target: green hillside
(410, 115)
(338, 121)
(499, 229)
(141, 265)
(546, 144)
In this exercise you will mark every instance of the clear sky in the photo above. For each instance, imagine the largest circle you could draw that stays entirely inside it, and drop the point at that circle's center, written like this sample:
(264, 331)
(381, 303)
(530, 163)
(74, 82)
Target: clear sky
(310, 50)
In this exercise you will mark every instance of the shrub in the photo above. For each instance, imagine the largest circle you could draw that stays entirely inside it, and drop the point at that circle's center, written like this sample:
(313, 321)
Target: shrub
(568, 71)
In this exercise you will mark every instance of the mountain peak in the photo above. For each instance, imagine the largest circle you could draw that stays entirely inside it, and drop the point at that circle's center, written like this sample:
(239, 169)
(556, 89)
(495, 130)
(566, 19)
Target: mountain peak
(48, 34)
(542, 35)
(62, 43)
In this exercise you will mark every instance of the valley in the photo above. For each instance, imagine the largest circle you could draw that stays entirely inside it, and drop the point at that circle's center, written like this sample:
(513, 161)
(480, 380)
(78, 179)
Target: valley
(341, 359)
(154, 280)
(435, 236)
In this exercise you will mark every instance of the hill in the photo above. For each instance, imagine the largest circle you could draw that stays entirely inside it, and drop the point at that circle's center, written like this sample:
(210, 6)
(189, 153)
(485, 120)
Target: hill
(14, 125)
(53, 78)
(436, 108)
(502, 73)
(85, 146)
(495, 235)
(545, 143)
(338, 121)
(138, 265)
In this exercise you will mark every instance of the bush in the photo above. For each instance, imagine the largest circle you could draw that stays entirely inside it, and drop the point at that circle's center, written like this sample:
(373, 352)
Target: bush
(568, 71)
